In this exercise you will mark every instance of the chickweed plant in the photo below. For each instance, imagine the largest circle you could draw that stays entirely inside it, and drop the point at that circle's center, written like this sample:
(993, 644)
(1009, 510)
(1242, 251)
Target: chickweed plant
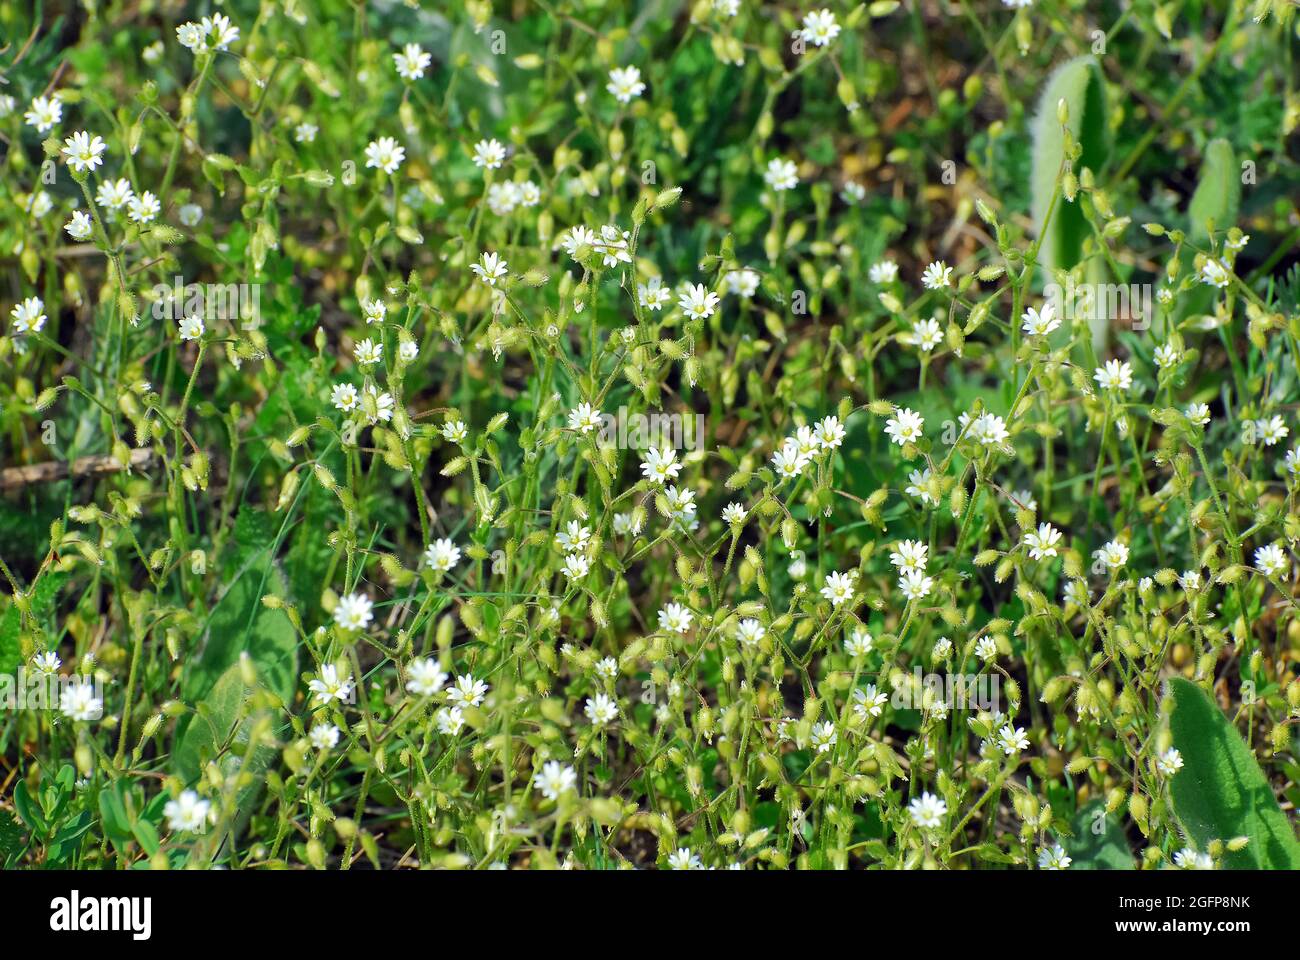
(593, 435)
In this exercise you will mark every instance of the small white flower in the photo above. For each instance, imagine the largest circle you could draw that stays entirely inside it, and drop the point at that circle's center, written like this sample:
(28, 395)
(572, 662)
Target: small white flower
(324, 736)
(910, 555)
(1189, 859)
(917, 481)
(859, 643)
(822, 736)
(675, 618)
(329, 686)
(424, 678)
(78, 702)
(344, 396)
(555, 779)
(143, 208)
(927, 810)
(442, 555)
(600, 710)
(1272, 562)
(489, 154)
(936, 276)
(353, 612)
(44, 113)
(46, 663)
(449, 720)
(29, 315)
(868, 701)
(653, 294)
(625, 84)
(468, 691)
(82, 152)
(1113, 555)
(305, 132)
(1039, 323)
(750, 632)
(1169, 762)
(411, 62)
(187, 813)
(1198, 413)
(839, 587)
(190, 215)
(905, 426)
(1012, 739)
(1271, 430)
(1115, 375)
(925, 335)
(986, 648)
(781, 174)
(883, 271)
(660, 465)
(1053, 857)
(576, 566)
(1215, 274)
(683, 859)
(697, 301)
(368, 351)
(1167, 356)
(733, 514)
(385, 154)
(915, 585)
(741, 283)
(191, 327)
(114, 194)
(1042, 543)
(490, 268)
(819, 28)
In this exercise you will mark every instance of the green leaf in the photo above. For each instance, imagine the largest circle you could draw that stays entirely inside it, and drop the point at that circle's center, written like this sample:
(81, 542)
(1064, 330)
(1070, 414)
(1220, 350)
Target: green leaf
(240, 623)
(1080, 84)
(1093, 850)
(1218, 194)
(1220, 792)
(210, 729)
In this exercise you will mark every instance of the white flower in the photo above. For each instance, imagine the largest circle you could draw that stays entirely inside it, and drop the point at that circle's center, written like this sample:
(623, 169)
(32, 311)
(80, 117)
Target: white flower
(1167, 356)
(489, 154)
(1115, 375)
(915, 585)
(883, 271)
(328, 686)
(82, 152)
(220, 30)
(190, 214)
(324, 736)
(37, 204)
(385, 154)
(600, 710)
(8, 104)
(344, 397)
(44, 113)
(1053, 857)
(868, 701)
(187, 813)
(1113, 555)
(442, 555)
(750, 632)
(936, 276)
(1198, 413)
(468, 691)
(789, 461)
(660, 466)
(1012, 739)
(449, 720)
(1215, 274)
(823, 736)
(489, 269)
(819, 28)
(675, 618)
(683, 859)
(697, 301)
(781, 174)
(986, 648)
(625, 525)
(607, 668)
(1189, 859)
(555, 779)
(114, 194)
(578, 237)
(905, 426)
(742, 283)
(829, 433)
(454, 431)
(1169, 762)
(78, 702)
(424, 678)
(733, 514)
(305, 132)
(1271, 561)
(143, 208)
(1271, 430)
(408, 350)
(653, 294)
(910, 555)
(838, 588)
(29, 315)
(353, 612)
(576, 566)
(503, 197)
(411, 62)
(625, 84)
(574, 538)
(859, 643)
(1039, 323)
(374, 310)
(1043, 542)
(191, 327)
(368, 351)
(727, 8)
(925, 335)
(46, 663)
(942, 649)
(613, 245)
(927, 810)
(917, 481)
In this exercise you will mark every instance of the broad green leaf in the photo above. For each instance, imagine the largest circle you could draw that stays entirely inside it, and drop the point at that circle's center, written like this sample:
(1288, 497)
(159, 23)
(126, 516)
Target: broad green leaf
(1098, 841)
(206, 732)
(1218, 194)
(1220, 792)
(1080, 84)
(241, 623)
